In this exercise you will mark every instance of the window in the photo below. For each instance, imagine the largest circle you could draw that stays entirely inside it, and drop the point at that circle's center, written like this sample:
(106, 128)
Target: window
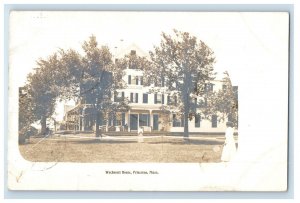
(141, 80)
(168, 99)
(235, 91)
(129, 79)
(134, 97)
(214, 121)
(113, 121)
(182, 121)
(195, 102)
(160, 82)
(197, 120)
(123, 119)
(117, 122)
(133, 62)
(178, 121)
(203, 102)
(229, 117)
(134, 80)
(159, 99)
(172, 100)
(144, 119)
(209, 87)
(118, 96)
(145, 98)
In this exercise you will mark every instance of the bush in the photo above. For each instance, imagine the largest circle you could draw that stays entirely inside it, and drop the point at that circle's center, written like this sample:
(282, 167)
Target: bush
(25, 133)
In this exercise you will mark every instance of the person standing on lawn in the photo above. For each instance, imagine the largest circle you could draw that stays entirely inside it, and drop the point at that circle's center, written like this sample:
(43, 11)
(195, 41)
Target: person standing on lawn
(229, 148)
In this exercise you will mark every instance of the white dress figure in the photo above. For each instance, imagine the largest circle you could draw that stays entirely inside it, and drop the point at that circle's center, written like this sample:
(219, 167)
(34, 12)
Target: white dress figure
(229, 148)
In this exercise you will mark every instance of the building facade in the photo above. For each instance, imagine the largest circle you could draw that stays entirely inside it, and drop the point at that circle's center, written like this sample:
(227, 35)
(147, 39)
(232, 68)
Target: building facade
(147, 110)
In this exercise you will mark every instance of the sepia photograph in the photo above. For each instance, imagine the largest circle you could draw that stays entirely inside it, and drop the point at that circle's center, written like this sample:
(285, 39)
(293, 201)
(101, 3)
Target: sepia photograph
(148, 101)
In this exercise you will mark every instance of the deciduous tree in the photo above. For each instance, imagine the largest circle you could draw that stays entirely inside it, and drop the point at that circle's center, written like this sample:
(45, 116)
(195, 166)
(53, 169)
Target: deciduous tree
(226, 101)
(183, 65)
(42, 91)
(94, 78)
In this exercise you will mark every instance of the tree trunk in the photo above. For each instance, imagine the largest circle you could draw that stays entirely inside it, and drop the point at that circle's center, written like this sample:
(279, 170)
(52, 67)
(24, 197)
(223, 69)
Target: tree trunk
(186, 125)
(98, 120)
(107, 122)
(43, 125)
(186, 116)
(186, 101)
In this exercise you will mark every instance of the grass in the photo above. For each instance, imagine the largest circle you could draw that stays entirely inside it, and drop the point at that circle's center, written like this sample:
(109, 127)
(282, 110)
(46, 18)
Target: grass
(160, 149)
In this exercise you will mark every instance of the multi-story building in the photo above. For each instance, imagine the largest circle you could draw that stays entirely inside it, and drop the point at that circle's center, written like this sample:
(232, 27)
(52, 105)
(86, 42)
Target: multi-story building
(147, 109)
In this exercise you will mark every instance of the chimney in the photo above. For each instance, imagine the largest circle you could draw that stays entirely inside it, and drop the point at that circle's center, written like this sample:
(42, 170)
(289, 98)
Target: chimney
(132, 52)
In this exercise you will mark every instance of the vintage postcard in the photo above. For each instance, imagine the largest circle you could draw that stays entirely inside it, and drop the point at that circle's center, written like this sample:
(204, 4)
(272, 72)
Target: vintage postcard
(148, 101)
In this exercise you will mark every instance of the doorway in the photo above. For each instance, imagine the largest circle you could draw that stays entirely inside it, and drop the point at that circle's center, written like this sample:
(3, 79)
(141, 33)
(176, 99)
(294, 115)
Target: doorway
(155, 122)
(133, 122)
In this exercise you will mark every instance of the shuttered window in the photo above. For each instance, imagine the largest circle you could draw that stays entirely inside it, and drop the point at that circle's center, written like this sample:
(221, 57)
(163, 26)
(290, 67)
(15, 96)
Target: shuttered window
(159, 98)
(197, 120)
(129, 79)
(145, 98)
(214, 121)
(178, 121)
(134, 97)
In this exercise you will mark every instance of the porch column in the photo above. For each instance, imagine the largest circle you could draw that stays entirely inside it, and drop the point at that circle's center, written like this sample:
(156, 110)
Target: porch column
(83, 119)
(128, 121)
(79, 121)
(150, 124)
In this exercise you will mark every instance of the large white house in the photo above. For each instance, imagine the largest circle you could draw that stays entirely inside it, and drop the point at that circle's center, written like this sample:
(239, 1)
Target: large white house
(147, 109)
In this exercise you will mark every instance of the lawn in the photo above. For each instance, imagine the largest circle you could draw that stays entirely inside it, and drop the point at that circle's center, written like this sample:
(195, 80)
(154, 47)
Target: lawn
(161, 149)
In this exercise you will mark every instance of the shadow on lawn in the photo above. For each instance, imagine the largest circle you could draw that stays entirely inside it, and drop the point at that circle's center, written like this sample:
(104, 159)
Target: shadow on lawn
(173, 142)
(98, 141)
(190, 142)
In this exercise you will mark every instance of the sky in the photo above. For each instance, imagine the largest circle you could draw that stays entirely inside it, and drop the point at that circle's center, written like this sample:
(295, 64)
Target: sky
(232, 36)
(240, 41)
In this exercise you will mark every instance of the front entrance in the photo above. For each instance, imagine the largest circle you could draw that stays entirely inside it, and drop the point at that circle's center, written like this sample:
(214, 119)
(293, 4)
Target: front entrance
(155, 122)
(133, 121)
